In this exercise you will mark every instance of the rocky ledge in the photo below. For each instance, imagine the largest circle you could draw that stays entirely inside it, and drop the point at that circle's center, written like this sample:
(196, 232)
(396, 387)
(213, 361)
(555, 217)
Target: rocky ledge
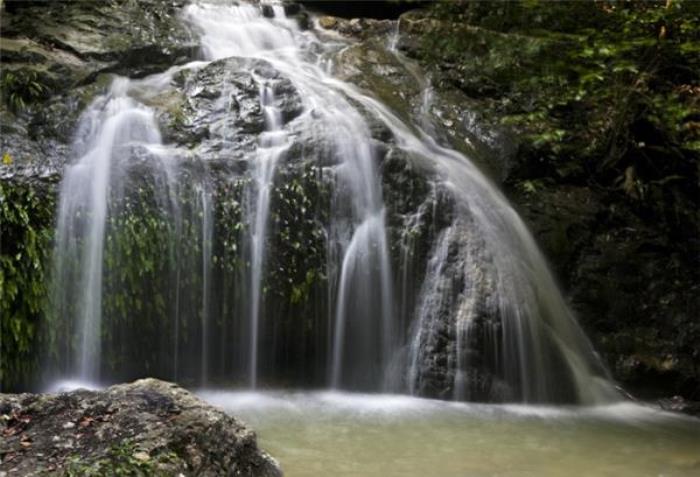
(148, 427)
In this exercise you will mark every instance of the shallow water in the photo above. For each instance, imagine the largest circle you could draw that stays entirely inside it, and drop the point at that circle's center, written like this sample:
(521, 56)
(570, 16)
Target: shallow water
(341, 434)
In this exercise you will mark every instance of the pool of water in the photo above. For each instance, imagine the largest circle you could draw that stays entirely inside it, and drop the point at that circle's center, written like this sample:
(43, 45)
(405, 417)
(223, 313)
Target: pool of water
(315, 434)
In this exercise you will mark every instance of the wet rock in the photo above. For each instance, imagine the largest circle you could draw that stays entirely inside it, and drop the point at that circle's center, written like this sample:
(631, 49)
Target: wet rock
(291, 8)
(447, 114)
(327, 22)
(55, 57)
(679, 404)
(304, 20)
(29, 156)
(222, 122)
(360, 28)
(148, 427)
(77, 40)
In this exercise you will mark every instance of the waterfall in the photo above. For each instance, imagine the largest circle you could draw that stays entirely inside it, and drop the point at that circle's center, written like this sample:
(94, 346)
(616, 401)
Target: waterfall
(361, 237)
(272, 146)
(450, 298)
(111, 126)
(116, 142)
(537, 325)
(206, 239)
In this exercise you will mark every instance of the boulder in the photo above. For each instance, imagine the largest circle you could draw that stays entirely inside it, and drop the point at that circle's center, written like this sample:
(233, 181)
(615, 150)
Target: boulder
(148, 427)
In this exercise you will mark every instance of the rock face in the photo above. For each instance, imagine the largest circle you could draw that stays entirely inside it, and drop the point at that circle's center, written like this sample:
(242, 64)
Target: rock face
(148, 427)
(59, 55)
(70, 42)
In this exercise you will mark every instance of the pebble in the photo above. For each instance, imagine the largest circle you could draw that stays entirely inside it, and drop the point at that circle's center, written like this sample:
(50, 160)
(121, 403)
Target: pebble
(142, 456)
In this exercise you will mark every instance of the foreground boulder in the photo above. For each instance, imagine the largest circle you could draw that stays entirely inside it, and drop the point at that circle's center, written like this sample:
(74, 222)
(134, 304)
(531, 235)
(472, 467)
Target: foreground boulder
(148, 427)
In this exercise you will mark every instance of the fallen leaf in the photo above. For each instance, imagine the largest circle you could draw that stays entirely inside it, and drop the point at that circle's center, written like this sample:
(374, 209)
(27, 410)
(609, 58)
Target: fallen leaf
(86, 421)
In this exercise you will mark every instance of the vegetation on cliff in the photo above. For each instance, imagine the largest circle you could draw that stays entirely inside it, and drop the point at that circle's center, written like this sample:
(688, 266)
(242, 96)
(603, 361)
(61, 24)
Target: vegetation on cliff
(26, 218)
(607, 86)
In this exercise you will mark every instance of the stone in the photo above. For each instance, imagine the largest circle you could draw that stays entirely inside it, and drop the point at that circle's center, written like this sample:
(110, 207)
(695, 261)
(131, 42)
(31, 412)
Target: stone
(148, 426)
(75, 41)
(70, 50)
(679, 404)
(327, 22)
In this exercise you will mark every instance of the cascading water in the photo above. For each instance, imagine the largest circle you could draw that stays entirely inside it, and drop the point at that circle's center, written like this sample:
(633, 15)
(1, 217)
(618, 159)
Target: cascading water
(272, 146)
(117, 141)
(364, 286)
(204, 204)
(475, 313)
(541, 346)
(112, 126)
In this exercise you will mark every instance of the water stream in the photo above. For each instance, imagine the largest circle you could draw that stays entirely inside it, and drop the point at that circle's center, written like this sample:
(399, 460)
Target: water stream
(361, 236)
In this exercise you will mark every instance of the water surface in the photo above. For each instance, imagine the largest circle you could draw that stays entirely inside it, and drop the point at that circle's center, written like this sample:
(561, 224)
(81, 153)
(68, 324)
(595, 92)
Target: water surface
(341, 434)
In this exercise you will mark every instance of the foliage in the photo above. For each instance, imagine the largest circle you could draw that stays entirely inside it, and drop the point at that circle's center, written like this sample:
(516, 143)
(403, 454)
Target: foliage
(604, 98)
(25, 245)
(601, 94)
(152, 273)
(21, 87)
(135, 266)
(230, 225)
(597, 80)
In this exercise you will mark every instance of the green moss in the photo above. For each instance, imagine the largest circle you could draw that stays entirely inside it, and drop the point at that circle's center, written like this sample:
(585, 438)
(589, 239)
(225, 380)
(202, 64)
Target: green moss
(231, 226)
(371, 66)
(21, 87)
(135, 263)
(152, 264)
(124, 459)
